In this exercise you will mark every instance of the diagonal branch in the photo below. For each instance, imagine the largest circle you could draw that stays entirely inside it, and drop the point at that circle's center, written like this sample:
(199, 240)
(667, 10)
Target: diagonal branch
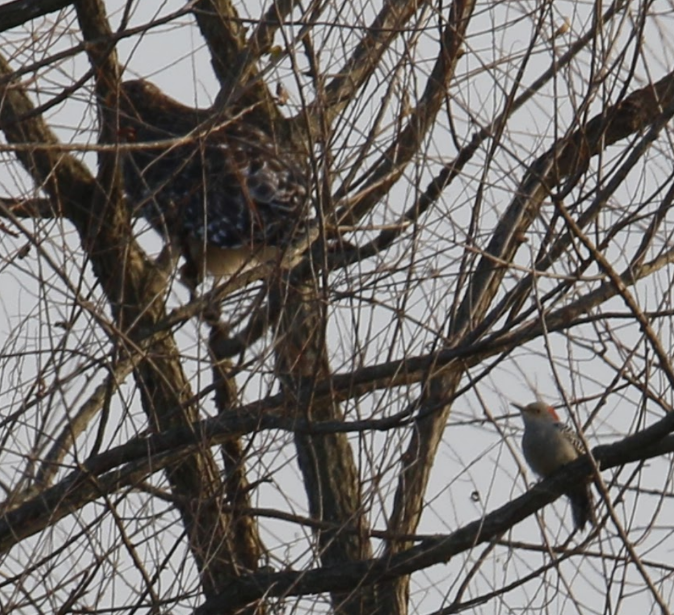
(17, 13)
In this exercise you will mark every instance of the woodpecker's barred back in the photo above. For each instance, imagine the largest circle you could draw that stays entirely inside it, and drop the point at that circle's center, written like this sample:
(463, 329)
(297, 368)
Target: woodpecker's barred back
(225, 194)
(548, 444)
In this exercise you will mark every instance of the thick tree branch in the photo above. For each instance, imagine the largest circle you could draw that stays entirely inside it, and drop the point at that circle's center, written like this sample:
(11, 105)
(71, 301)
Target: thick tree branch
(19, 12)
(327, 463)
(136, 297)
(650, 107)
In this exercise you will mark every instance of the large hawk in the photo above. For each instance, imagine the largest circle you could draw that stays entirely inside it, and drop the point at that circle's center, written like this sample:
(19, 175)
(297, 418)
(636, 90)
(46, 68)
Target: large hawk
(226, 192)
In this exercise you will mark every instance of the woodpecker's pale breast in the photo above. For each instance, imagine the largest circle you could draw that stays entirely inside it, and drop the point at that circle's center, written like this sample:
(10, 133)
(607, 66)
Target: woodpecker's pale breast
(545, 446)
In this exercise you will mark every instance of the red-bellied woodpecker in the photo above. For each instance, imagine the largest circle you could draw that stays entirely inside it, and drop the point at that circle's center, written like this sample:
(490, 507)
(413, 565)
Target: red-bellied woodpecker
(549, 444)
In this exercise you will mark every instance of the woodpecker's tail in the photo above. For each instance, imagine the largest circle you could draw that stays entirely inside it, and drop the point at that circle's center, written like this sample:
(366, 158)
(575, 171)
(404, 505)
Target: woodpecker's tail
(582, 505)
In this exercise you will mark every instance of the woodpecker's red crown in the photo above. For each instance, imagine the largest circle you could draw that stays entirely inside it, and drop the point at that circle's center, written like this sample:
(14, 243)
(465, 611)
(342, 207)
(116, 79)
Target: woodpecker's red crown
(538, 409)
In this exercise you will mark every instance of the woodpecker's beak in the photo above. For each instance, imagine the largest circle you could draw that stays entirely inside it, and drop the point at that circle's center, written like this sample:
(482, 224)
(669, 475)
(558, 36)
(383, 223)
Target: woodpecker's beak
(518, 406)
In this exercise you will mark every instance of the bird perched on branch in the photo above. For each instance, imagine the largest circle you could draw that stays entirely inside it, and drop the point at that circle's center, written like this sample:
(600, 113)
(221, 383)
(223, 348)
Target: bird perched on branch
(548, 444)
(227, 195)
